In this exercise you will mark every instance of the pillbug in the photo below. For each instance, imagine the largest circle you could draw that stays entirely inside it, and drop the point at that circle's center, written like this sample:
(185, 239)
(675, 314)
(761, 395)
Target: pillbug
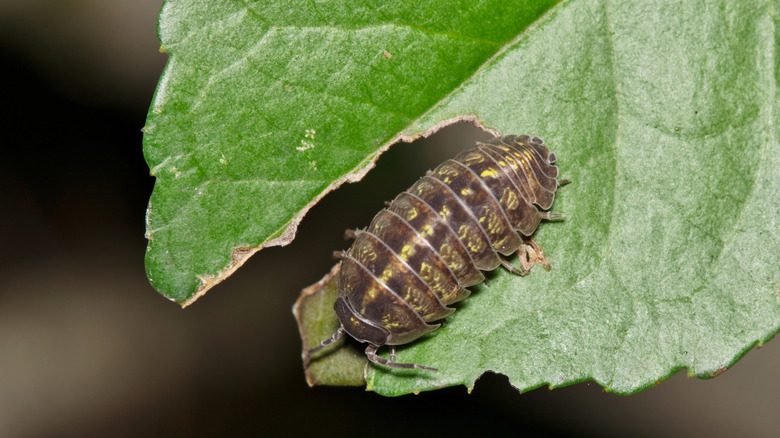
(433, 240)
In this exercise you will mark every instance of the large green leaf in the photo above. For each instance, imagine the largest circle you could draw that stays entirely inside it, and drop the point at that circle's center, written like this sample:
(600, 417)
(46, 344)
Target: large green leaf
(266, 106)
(664, 115)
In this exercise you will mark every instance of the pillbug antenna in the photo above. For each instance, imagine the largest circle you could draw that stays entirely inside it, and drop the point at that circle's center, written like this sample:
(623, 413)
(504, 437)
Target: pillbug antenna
(336, 336)
(373, 357)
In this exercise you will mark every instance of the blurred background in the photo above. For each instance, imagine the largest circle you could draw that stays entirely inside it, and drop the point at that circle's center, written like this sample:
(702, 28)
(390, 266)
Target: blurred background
(89, 349)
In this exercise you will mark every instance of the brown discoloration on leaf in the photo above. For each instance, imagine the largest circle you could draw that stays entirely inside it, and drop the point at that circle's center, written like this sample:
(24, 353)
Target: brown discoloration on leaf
(239, 257)
(718, 372)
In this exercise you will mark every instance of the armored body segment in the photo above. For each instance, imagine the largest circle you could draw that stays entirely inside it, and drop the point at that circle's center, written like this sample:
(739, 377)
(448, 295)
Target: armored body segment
(451, 210)
(441, 236)
(483, 206)
(393, 272)
(516, 196)
(379, 305)
(517, 174)
(422, 258)
(528, 172)
(493, 171)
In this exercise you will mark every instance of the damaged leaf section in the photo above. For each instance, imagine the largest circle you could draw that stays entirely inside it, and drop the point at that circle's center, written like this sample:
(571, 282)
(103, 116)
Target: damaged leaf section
(341, 365)
(240, 255)
(262, 110)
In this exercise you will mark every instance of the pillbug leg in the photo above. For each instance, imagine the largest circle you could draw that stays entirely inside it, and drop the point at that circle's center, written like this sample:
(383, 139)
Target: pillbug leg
(373, 357)
(511, 268)
(339, 254)
(548, 215)
(336, 336)
(352, 234)
(392, 353)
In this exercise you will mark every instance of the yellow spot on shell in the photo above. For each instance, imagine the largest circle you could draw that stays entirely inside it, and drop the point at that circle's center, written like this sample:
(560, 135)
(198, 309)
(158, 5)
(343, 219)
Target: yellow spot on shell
(490, 172)
(509, 200)
(444, 213)
(367, 254)
(500, 243)
(475, 246)
(452, 257)
(472, 242)
(387, 321)
(466, 192)
(386, 275)
(370, 296)
(494, 225)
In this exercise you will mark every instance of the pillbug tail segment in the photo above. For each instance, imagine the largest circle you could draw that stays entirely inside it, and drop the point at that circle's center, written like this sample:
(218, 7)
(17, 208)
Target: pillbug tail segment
(563, 182)
(336, 336)
(375, 358)
(338, 255)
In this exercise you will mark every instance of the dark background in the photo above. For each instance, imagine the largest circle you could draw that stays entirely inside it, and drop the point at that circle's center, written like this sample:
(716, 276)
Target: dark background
(89, 349)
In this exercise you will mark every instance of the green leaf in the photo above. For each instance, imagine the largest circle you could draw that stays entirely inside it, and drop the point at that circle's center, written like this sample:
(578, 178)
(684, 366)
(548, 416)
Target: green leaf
(266, 106)
(665, 118)
(663, 115)
(316, 322)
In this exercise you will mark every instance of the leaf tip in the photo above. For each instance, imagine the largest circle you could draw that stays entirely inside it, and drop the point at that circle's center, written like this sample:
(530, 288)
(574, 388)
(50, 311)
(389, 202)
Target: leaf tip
(238, 258)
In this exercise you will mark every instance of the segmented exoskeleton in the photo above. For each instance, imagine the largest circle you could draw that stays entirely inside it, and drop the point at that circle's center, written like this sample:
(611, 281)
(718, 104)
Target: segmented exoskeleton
(433, 240)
